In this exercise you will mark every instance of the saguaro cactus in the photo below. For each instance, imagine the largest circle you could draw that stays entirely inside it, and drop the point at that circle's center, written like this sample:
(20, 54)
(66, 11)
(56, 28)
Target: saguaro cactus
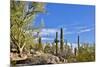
(78, 42)
(61, 40)
(40, 44)
(66, 43)
(56, 41)
(75, 51)
(40, 40)
(71, 46)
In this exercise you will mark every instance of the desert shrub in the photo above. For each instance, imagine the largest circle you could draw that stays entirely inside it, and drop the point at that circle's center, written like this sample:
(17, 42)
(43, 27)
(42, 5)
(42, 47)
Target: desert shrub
(48, 48)
(86, 54)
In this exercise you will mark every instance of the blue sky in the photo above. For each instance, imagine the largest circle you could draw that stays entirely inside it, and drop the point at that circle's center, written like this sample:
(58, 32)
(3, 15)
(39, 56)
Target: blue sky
(74, 19)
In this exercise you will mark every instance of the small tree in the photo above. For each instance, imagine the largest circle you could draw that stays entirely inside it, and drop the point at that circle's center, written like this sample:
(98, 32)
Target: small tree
(21, 16)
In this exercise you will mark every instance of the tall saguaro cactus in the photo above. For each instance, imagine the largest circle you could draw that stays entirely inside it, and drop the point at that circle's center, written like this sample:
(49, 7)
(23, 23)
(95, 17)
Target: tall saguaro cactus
(61, 40)
(78, 42)
(75, 51)
(40, 44)
(56, 41)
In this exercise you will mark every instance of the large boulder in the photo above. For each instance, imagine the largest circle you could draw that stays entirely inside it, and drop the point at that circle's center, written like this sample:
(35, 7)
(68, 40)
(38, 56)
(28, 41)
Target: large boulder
(42, 58)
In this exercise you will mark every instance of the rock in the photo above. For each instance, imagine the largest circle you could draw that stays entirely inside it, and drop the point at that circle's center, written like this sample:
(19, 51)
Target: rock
(14, 50)
(42, 58)
(32, 51)
(63, 60)
(52, 59)
(15, 57)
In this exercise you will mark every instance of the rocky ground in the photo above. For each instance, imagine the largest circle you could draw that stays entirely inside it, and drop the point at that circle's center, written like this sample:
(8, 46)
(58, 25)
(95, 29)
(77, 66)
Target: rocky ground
(37, 58)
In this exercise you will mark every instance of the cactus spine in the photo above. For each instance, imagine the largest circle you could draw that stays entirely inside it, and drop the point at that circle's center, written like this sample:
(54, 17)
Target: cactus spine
(56, 41)
(61, 40)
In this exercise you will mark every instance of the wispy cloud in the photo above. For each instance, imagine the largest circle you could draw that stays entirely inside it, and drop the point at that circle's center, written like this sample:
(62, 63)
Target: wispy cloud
(85, 30)
(52, 31)
(48, 34)
(84, 27)
(66, 26)
(76, 28)
(48, 31)
(80, 27)
(47, 39)
(68, 32)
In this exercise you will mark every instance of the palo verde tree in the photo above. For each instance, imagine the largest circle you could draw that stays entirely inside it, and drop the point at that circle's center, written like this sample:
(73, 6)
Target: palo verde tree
(23, 13)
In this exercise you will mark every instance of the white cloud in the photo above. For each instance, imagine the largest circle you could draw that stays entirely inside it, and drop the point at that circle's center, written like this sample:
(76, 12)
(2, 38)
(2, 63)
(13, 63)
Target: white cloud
(49, 34)
(85, 30)
(46, 38)
(68, 32)
(48, 31)
(66, 26)
(81, 27)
